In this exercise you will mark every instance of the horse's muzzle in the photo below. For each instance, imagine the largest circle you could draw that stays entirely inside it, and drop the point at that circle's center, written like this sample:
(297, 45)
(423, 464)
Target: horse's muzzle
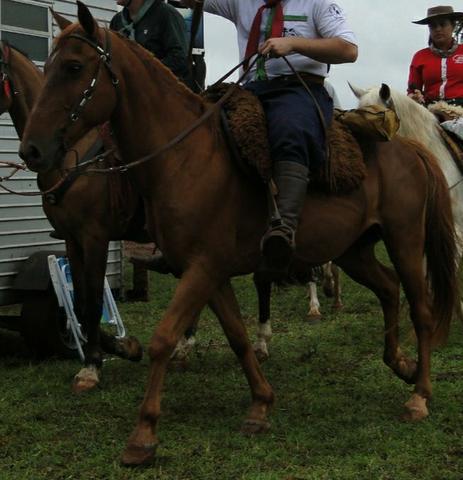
(39, 158)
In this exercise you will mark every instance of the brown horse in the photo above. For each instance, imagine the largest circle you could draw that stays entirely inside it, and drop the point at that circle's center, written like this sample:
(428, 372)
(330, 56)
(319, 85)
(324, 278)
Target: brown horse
(208, 218)
(83, 215)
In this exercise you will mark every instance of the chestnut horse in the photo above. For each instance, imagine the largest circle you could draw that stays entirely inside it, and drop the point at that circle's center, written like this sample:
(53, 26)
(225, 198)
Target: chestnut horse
(208, 217)
(83, 215)
(87, 203)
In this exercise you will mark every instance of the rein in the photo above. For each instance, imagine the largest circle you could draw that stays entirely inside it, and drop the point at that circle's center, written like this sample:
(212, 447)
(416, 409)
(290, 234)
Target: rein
(181, 136)
(105, 59)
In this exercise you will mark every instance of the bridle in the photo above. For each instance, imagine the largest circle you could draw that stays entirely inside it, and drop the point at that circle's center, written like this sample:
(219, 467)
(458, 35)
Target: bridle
(5, 74)
(104, 59)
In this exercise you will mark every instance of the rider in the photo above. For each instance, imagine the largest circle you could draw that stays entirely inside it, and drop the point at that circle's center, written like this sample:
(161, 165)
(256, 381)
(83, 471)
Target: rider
(311, 34)
(436, 72)
(159, 28)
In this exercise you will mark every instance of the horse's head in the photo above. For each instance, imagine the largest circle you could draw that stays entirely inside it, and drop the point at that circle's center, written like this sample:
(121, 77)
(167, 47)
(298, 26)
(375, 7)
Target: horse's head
(373, 96)
(6, 87)
(79, 92)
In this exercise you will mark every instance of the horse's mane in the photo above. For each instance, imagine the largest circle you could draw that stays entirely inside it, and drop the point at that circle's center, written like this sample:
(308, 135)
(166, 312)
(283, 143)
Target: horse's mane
(416, 121)
(152, 65)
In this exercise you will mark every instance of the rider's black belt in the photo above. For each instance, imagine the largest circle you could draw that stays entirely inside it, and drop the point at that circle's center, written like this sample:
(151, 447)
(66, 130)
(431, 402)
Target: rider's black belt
(294, 80)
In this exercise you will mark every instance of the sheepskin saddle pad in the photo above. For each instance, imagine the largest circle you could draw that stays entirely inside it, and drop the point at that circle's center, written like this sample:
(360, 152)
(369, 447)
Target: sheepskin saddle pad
(246, 127)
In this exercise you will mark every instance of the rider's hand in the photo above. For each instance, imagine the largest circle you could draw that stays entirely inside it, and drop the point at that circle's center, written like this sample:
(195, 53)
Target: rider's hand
(417, 96)
(277, 47)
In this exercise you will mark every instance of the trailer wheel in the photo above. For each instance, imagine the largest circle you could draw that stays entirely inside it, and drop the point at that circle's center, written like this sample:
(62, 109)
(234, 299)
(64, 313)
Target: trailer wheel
(43, 325)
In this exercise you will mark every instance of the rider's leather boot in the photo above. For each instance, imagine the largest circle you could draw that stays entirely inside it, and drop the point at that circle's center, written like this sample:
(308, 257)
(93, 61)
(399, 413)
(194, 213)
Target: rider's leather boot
(278, 242)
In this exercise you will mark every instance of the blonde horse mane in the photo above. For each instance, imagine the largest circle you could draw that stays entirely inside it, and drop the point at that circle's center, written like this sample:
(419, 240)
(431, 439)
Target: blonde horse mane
(416, 121)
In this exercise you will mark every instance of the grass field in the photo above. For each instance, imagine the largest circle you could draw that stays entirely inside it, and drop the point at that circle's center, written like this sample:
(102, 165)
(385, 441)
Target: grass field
(336, 416)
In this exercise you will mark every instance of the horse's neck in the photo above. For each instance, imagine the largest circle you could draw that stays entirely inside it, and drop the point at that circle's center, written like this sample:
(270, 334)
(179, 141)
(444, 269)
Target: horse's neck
(27, 81)
(159, 111)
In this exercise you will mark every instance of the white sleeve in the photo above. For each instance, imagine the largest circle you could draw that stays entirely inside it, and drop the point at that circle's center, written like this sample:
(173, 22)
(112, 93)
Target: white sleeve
(224, 8)
(330, 21)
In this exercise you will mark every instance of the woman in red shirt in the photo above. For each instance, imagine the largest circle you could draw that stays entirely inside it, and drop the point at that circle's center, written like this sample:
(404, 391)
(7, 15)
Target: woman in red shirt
(436, 72)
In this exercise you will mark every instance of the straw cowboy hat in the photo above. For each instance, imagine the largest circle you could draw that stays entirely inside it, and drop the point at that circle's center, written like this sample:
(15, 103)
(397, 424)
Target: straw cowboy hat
(439, 12)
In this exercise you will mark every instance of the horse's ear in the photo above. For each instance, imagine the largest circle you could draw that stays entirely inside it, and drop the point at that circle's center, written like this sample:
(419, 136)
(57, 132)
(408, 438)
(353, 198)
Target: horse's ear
(358, 92)
(385, 95)
(86, 19)
(385, 92)
(61, 21)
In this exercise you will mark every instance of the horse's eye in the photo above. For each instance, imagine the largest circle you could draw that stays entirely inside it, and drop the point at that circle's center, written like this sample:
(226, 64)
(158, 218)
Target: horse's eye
(74, 68)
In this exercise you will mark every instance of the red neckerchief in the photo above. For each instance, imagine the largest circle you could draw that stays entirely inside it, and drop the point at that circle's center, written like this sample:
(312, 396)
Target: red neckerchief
(277, 27)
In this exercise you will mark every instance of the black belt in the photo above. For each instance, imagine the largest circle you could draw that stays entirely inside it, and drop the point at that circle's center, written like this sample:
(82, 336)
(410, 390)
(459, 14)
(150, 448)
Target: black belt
(293, 79)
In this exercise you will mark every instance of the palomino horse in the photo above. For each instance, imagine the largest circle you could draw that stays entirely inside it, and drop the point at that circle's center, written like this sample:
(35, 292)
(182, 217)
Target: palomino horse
(208, 217)
(83, 216)
(418, 123)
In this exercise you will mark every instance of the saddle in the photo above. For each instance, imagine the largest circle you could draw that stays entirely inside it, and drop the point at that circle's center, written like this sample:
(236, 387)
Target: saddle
(244, 126)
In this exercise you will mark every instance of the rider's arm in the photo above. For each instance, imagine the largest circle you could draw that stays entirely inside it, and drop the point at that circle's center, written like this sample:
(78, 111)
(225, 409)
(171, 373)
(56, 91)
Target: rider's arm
(415, 78)
(324, 50)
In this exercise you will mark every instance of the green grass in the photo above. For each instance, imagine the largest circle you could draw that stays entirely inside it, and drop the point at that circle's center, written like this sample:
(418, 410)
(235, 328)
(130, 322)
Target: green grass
(337, 411)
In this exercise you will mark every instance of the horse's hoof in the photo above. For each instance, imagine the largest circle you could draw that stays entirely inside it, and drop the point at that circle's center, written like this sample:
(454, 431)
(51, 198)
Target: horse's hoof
(416, 409)
(87, 379)
(136, 455)
(133, 348)
(314, 318)
(337, 307)
(261, 355)
(176, 365)
(254, 427)
(408, 369)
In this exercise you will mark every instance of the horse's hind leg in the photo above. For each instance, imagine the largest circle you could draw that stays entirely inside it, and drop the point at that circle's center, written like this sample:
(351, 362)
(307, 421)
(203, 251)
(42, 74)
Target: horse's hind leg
(264, 329)
(226, 308)
(314, 314)
(337, 302)
(409, 265)
(360, 263)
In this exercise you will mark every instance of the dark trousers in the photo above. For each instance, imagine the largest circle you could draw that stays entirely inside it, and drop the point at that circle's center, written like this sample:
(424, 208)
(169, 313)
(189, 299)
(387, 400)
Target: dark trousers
(294, 127)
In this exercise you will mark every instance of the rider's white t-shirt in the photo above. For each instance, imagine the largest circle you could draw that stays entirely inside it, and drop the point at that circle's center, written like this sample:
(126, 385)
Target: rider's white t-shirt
(302, 18)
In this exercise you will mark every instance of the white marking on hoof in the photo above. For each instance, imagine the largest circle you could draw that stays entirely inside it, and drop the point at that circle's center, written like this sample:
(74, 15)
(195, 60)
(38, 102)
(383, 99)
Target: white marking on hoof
(261, 350)
(86, 379)
(416, 408)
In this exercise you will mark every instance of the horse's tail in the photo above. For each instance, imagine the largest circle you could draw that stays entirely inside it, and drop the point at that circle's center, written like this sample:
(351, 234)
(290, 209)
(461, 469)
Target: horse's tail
(440, 247)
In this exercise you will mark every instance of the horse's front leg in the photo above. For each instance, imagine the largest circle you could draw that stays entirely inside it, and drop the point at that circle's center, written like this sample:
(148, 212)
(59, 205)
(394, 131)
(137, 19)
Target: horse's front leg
(88, 267)
(226, 308)
(193, 291)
